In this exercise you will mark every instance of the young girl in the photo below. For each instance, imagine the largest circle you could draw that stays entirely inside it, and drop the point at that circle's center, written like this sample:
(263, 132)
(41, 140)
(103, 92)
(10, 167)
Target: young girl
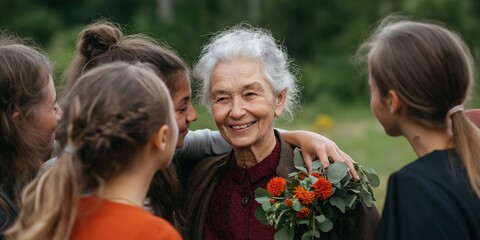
(111, 148)
(28, 118)
(420, 76)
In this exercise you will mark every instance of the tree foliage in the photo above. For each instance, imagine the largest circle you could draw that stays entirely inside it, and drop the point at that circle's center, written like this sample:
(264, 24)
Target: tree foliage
(320, 35)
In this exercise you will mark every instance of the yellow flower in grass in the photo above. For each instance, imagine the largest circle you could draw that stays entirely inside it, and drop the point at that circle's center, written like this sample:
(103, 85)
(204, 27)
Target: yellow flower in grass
(324, 122)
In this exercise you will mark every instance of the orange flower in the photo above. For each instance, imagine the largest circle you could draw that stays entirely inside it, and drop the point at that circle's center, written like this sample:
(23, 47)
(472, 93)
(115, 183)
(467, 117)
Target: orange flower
(303, 213)
(302, 175)
(276, 186)
(316, 174)
(288, 202)
(305, 197)
(272, 201)
(323, 188)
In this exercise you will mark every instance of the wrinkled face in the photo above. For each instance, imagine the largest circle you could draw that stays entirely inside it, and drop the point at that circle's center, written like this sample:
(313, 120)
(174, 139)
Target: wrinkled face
(381, 110)
(47, 113)
(184, 111)
(244, 105)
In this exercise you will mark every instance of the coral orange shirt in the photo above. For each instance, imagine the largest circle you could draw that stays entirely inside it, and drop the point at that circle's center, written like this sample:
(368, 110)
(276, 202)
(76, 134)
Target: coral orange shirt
(104, 220)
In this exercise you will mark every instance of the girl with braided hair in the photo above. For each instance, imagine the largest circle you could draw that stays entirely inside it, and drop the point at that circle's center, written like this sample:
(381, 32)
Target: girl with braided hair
(111, 149)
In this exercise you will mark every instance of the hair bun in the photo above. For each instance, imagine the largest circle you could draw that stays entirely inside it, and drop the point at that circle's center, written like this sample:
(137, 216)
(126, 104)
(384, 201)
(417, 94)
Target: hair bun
(98, 38)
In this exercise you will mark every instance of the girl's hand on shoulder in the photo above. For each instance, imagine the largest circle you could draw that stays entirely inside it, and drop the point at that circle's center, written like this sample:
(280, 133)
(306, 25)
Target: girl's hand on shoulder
(315, 146)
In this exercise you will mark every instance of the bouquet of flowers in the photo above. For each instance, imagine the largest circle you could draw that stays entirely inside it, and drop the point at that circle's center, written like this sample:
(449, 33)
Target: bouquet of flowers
(308, 204)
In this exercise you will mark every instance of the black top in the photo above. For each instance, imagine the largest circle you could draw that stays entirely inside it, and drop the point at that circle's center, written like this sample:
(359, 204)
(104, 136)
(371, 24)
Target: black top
(12, 212)
(431, 198)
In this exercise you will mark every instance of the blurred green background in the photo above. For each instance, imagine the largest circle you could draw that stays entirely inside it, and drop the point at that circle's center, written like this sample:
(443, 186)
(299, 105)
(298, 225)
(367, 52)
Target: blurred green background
(320, 35)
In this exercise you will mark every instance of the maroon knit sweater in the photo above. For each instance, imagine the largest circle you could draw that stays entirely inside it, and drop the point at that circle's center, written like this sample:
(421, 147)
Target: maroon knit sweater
(233, 205)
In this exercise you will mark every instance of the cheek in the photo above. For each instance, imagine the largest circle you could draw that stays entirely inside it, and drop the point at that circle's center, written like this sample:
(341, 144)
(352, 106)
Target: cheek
(218, 114)
(180, 118)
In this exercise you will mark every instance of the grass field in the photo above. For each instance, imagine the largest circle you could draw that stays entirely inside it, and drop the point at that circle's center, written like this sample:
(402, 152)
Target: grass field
(355, 131)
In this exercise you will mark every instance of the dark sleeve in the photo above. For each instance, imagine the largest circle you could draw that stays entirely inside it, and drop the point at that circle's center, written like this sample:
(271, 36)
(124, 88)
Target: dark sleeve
(2, 221)
(419, 208)
(366, 221)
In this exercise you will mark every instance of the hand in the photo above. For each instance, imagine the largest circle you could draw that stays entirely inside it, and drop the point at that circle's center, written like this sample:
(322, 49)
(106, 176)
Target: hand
(315, 146)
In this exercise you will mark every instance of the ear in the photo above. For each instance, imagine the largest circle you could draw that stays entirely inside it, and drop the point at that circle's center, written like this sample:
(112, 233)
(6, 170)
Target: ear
(160, 138)
(15, 115)
(394, 102)
(280, 102)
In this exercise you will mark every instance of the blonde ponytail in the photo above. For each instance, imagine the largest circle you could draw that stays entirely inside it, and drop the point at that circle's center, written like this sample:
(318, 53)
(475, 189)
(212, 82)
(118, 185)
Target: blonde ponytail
(466, 137)
(49, 203)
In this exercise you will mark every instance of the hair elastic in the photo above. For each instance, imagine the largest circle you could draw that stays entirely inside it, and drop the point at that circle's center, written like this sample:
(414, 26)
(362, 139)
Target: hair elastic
(70, 149)
(455, 109)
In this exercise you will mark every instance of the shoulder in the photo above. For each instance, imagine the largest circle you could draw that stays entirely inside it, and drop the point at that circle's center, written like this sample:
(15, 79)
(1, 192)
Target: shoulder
(285, 165)
(210, 163)
(436, 170)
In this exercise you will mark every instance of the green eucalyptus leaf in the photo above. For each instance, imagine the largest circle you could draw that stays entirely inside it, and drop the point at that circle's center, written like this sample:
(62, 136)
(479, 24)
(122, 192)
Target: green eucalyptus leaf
(303, 169)
(326, 225)
(261, 216)
(292, 174)
(366, 198)
(320, 218)
(336, 172)
(313, 179)
(285, 233)
(350, 200)
(354, 190)
(304, 221)
(282, 218)
(316, 165)
(262, 199)
(260, 192)
(373, 179)
(266, 205)
(307, 235)
(298, 159)
(339, 203)
(297, 206)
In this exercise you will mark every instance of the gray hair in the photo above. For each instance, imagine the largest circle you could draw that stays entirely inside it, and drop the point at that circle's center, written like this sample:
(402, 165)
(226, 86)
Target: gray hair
(245, 41)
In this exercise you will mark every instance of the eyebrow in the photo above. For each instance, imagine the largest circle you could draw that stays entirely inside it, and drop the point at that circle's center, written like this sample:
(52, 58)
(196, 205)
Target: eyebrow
(183, 101)
(254, 85)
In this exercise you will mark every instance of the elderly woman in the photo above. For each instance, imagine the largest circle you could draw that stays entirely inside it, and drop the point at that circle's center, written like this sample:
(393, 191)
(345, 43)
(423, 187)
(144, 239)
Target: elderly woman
(247, 84)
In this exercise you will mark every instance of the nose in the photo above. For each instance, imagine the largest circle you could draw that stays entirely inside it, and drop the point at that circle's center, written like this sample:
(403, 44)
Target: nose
(59, 112)
(238, 109)
(192, 114)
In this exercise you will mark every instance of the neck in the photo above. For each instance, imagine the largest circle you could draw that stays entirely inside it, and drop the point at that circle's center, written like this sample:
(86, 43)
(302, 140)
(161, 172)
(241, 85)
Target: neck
(129, 187)
(425, 140)
(250, 156)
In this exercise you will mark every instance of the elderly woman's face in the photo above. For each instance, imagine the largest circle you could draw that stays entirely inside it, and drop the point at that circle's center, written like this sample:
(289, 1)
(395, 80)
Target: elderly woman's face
(243, 105)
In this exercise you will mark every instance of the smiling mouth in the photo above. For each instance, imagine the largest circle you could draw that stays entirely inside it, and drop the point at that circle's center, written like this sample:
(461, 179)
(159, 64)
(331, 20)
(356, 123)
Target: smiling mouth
(243, 126)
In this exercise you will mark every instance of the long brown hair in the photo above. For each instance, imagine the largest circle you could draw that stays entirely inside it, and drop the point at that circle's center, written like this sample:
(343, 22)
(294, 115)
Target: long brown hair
(24, 74)
(104, 127)
(104, 42)
(431, 69)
